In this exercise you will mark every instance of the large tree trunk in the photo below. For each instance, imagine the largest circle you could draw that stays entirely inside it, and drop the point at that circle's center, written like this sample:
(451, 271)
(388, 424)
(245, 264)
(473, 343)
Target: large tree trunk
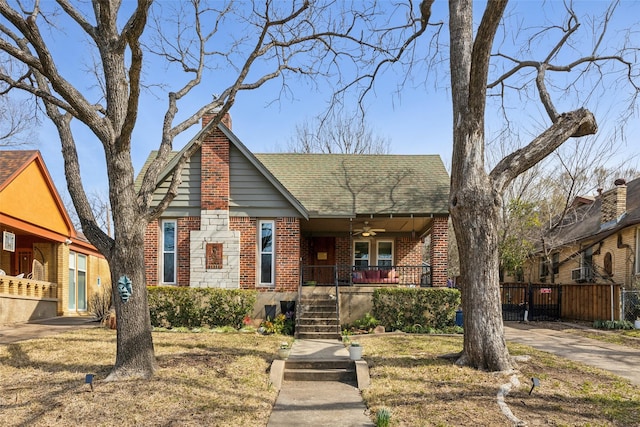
(476, 212)
(135, 354)
(474, 202)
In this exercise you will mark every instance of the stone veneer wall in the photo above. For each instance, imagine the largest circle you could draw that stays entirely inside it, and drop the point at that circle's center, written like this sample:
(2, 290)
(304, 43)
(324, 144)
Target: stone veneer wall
(214, 228)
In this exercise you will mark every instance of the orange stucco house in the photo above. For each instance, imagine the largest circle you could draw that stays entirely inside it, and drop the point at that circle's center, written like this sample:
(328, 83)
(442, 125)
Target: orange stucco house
(47, 268)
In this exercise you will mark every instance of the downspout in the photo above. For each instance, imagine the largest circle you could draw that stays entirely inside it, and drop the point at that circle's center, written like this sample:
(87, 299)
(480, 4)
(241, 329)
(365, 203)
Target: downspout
(612, 315)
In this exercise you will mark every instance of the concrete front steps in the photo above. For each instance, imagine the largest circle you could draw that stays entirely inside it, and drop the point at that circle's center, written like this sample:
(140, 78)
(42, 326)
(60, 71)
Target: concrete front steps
(317, 317)
(320, 370)
(319, 360)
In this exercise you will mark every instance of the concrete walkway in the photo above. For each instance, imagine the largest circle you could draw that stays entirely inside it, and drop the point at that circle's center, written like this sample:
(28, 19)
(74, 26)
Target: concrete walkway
(319, 403)
(622, 361)
(42, 328)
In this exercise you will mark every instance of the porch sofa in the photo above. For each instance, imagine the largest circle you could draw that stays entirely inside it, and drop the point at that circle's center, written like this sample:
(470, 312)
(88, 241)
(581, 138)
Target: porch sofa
(375, 276)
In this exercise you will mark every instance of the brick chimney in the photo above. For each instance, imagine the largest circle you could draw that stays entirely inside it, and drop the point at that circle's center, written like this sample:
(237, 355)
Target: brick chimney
(215, 166)
(614, 202)
(207, 117)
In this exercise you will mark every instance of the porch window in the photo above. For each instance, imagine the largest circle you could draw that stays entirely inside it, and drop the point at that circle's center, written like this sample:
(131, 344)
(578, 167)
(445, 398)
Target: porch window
(544, 268)
(385, 253)
(555, 262)
(555, 265)
(267, 253)
(586, 264)
(361, 254)
(77, 282)
(168, 244)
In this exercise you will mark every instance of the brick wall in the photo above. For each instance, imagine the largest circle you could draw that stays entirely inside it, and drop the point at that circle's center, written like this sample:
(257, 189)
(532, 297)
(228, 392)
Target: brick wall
(343, 251)
(185, 226)
(439, 261)
(287, 254)
(408, 251)
(152, 250)
(215, 172)
(248, 239)
(151, 246)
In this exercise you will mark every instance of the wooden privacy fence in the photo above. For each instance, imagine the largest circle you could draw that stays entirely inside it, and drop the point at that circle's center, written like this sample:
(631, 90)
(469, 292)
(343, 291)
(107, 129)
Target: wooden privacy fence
(575, 301)
(591, 302)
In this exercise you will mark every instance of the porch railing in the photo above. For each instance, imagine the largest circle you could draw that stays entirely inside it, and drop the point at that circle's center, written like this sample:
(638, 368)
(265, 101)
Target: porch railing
(352, 275)
(21, 286)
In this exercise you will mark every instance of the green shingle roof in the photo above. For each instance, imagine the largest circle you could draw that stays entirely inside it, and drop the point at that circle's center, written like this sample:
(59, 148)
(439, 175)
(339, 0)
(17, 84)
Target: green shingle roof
(349, 184)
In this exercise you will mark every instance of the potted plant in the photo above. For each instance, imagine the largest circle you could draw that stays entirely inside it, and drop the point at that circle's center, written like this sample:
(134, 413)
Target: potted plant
(284, 351)
(355, 351)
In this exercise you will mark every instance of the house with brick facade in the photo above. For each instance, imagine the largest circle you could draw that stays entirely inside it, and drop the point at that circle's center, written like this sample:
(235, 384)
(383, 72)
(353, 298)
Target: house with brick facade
(278, 221)
(47, 268)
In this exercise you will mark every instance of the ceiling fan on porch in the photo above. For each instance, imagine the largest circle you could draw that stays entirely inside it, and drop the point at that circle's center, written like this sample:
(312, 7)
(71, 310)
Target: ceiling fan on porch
(367, 231)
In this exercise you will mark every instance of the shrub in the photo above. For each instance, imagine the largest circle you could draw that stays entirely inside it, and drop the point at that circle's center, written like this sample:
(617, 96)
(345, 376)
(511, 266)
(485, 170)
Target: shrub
(367, 322)
(100, 303)
(416, 309)
(612, 324)
(282, 324)
(173, 307)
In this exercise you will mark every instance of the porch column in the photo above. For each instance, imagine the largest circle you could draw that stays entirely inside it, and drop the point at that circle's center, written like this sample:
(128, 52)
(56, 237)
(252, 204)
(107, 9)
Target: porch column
(439, 251)
(62, 278)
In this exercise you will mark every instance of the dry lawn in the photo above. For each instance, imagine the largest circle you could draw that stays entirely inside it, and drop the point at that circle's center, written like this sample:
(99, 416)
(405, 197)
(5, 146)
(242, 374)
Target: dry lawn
(422, 389)
(204, 379)
(213, 379)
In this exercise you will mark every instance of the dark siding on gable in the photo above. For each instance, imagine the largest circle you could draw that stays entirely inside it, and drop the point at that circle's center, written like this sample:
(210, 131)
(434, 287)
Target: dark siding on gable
(252, 194)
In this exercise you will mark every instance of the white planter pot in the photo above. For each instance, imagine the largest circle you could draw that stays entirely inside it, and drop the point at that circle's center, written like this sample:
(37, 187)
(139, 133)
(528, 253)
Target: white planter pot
(283, 353)
(355, 352)
(636, 324)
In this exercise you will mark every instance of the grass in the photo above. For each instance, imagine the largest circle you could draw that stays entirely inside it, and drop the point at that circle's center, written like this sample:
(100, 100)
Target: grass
(627, 338)
(423, 389)
(221, 379)
(203, 379)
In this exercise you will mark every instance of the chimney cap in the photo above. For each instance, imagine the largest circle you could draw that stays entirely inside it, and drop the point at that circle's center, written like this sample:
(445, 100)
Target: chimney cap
(619, 182)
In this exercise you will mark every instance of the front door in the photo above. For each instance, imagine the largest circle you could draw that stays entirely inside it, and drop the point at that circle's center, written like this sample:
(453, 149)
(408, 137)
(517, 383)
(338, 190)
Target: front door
(24, 259)
(323, 258)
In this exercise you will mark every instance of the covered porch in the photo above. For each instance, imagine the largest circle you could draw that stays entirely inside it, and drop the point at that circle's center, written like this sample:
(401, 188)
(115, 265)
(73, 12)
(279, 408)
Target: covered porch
(378, 250)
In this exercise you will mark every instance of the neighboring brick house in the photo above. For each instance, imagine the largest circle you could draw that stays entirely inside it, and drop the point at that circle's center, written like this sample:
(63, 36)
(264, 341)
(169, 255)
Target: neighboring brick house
(598, 241)
(47, 268)
(273, 221)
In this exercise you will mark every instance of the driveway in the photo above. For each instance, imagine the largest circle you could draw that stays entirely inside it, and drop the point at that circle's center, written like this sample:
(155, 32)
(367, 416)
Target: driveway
(622, 361)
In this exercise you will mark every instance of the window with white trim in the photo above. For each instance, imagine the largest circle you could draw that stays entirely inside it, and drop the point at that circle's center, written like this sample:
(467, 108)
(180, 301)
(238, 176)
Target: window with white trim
(266, 247)
(169, 255)
(361, 253)
(77, 282)
(384, 253)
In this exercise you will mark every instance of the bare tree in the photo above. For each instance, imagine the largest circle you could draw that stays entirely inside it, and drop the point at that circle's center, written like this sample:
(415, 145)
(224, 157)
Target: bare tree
(537, 201)
(99, 205)
(476, 195)
(18, 122)
(338, 133)
(246, 44)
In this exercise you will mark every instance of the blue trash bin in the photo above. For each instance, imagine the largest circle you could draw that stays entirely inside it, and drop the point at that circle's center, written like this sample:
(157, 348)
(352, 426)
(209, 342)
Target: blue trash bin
(459, 319)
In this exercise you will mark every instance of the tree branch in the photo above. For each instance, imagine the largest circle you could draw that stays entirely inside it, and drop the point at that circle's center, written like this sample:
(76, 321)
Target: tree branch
(576, 123)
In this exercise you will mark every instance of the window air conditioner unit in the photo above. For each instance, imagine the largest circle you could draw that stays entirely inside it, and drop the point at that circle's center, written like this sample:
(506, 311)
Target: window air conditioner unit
(580, 274)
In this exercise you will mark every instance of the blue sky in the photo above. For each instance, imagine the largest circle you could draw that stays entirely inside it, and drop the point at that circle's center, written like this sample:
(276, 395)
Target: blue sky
(417, 119)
